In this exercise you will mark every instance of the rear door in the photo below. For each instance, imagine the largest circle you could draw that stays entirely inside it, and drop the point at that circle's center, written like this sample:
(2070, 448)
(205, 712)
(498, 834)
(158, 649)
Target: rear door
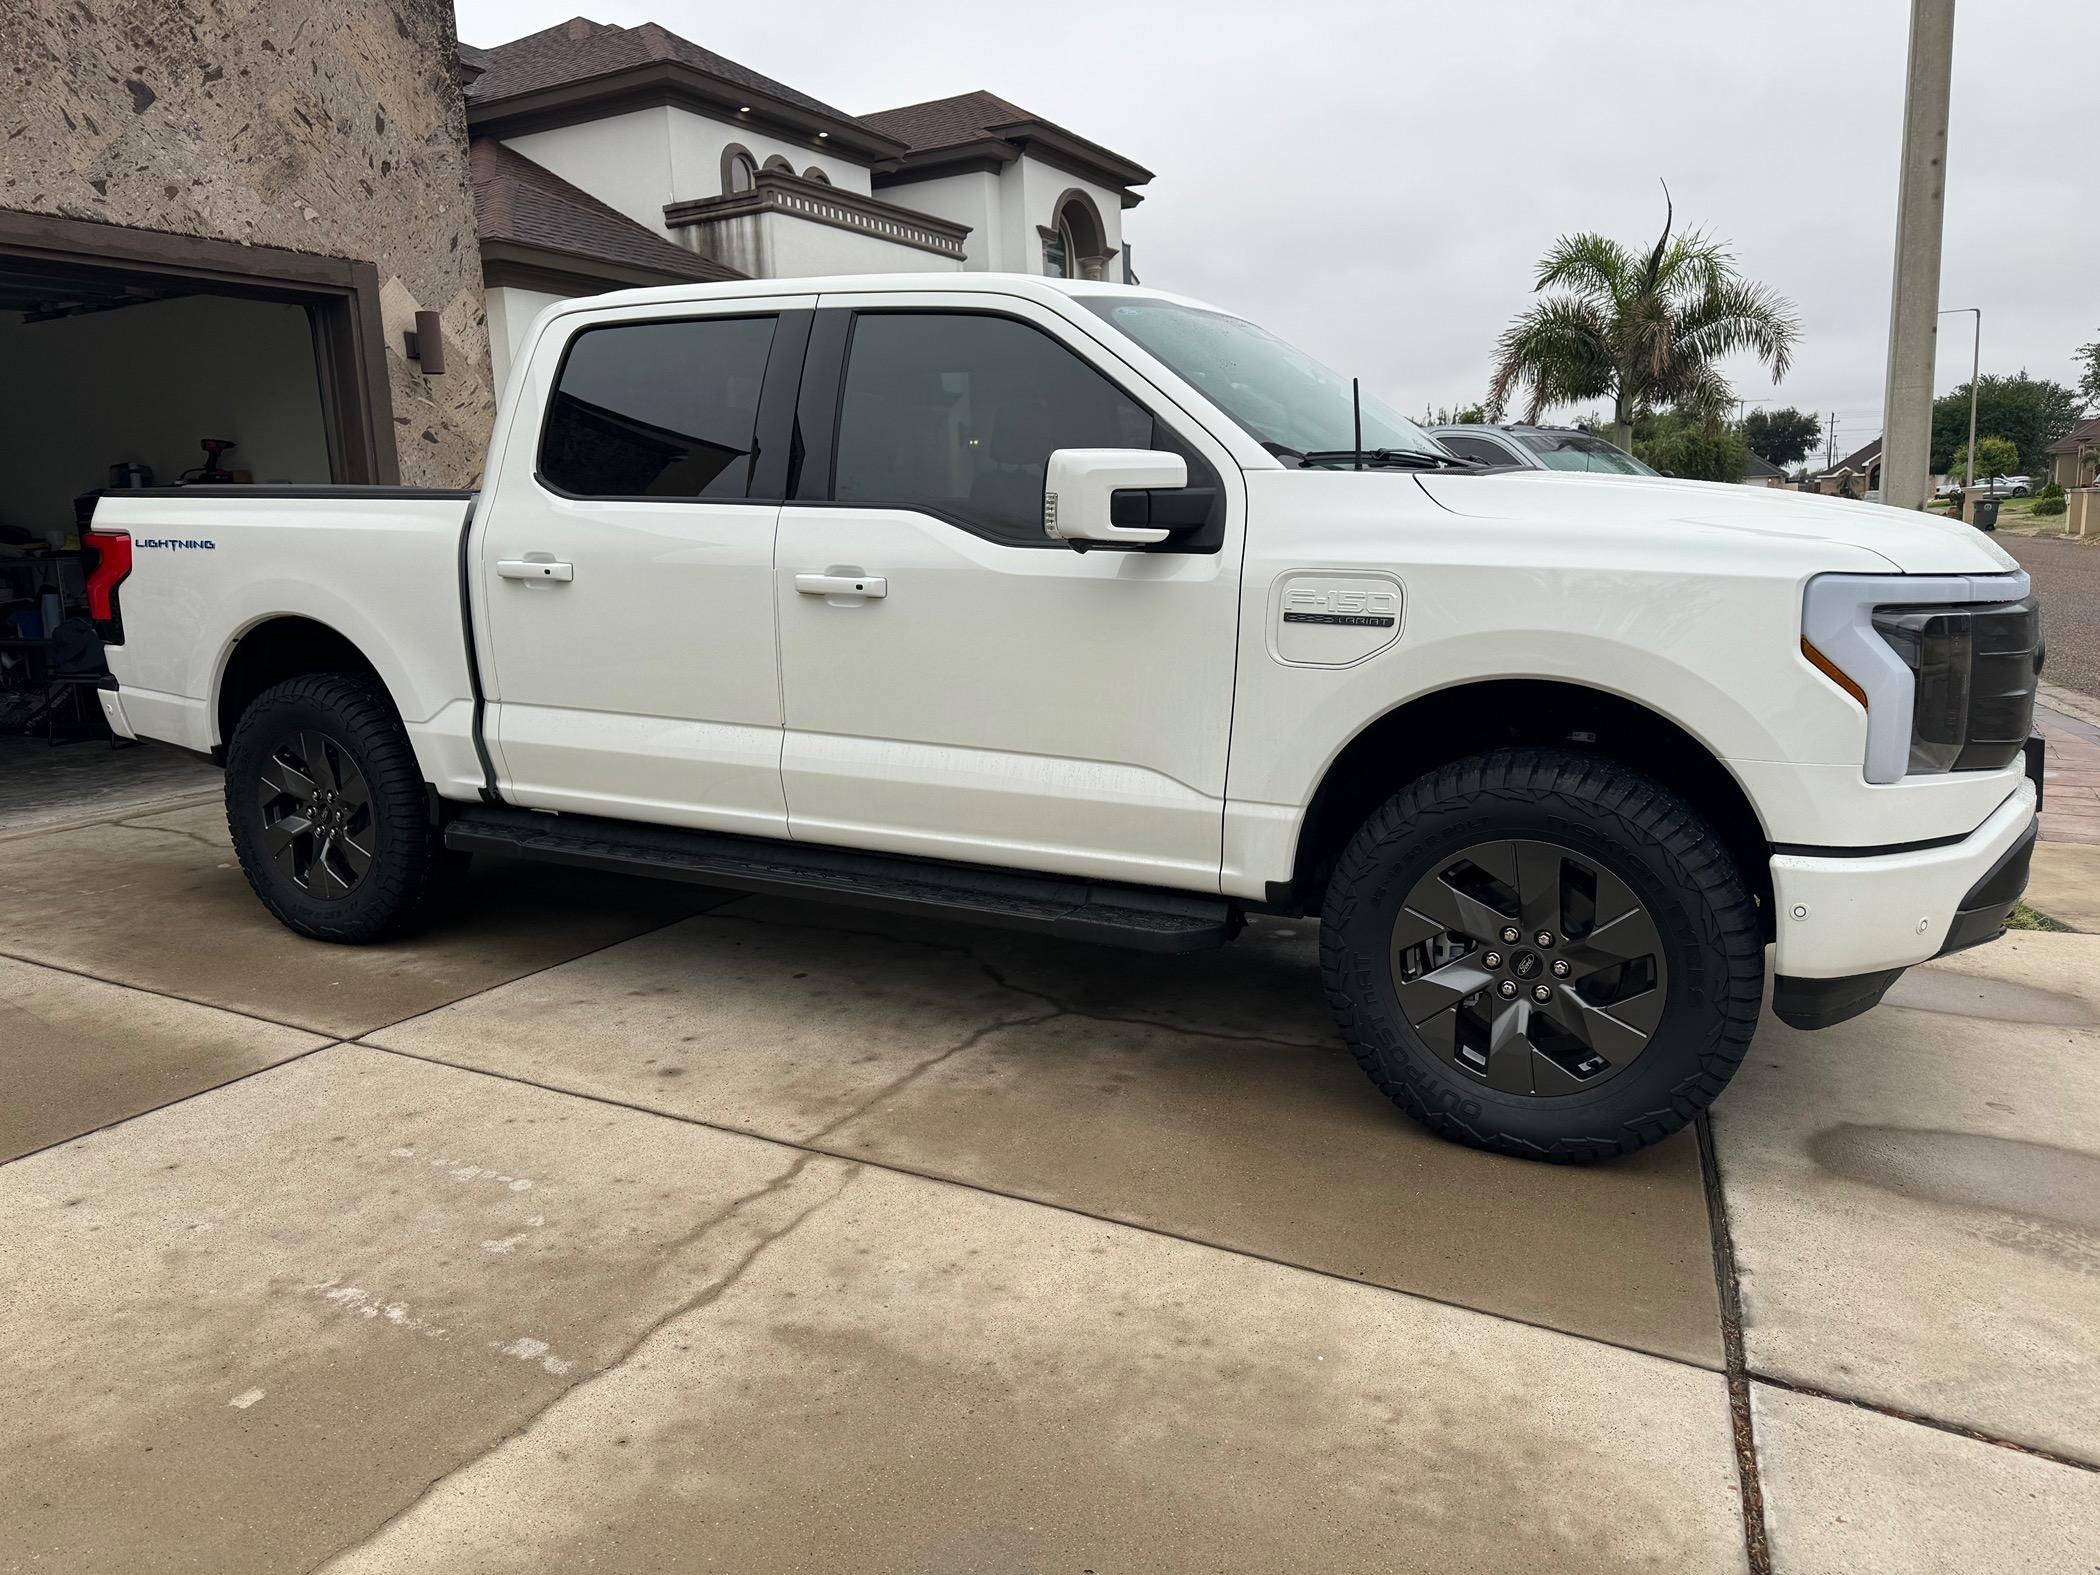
(957, 684)
(626, 562)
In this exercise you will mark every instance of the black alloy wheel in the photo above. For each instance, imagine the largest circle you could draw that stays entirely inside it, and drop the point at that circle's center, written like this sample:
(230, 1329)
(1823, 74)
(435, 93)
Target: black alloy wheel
(1530, 967)
(330, 814)
(316, 815)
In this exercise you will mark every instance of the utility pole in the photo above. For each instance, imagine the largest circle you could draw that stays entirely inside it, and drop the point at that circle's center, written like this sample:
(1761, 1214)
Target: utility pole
(1921, 200)
(1975, 384)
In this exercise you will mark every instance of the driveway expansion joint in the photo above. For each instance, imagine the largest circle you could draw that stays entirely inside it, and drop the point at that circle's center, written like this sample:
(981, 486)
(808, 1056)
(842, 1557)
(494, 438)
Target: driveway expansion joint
(1920, 1419)
(1756, 1544)
(939, 1179)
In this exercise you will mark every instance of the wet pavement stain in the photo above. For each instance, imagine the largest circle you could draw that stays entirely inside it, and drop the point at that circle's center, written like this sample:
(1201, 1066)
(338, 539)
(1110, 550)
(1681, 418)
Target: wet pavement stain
(2000, 1000)
(2048, 1198)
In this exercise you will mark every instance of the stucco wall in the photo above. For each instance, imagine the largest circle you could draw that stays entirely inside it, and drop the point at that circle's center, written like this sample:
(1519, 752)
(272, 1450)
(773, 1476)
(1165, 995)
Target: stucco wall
(334, 129)
(1028, 192)
(511, 313)
(971, 199)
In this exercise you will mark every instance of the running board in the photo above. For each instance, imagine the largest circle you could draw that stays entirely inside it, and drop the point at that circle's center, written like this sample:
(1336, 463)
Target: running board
(1146, 918)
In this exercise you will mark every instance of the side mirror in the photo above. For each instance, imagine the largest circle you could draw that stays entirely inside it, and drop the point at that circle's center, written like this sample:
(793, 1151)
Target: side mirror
(1080, 487)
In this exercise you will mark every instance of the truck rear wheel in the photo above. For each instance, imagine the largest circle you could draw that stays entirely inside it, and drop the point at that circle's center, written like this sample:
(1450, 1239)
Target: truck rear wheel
(1543, 953)
(327, 811)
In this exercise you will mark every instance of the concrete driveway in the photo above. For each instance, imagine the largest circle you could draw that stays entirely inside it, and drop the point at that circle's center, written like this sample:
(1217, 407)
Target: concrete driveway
(615, 1226)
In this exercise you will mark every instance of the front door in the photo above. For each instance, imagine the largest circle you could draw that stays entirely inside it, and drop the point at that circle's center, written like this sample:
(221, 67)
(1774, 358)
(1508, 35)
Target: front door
(626, 567)
(955, 683)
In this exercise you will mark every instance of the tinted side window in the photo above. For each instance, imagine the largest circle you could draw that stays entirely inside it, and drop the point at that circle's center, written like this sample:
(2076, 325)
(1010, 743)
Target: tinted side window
(657, 410)
(958, 414)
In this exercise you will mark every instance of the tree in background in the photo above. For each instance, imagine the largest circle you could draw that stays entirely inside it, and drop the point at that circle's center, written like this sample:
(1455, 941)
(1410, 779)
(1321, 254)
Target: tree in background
(1784, 437)
(1463, 416)
(1641, 329)
(2031, 412)
(2089, 383)
(1995, 456)
(1685, 444)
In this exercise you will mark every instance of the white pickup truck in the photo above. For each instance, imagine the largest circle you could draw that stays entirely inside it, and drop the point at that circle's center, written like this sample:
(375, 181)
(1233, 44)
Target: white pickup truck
(1096, 610)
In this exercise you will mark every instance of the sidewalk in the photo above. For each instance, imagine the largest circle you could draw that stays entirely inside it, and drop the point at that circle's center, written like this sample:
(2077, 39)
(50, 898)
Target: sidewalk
(2065, 883)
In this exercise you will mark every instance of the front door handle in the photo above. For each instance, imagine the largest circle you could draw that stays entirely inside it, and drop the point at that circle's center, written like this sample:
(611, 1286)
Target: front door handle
(541, 569)
(842, 585)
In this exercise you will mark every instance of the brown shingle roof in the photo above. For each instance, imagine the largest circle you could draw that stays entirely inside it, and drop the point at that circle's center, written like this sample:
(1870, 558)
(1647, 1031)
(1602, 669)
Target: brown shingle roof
(578, 49)
(975, 117)
(2078, 437)
(944, 122)
(1856, 461)
(517, 200)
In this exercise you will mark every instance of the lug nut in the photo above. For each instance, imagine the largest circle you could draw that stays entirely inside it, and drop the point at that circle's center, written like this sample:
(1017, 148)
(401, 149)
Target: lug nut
(1560, 968)
(1508, 987)
(1512, 935)
(1544, 937)
(1540, 993)
(1491, 960)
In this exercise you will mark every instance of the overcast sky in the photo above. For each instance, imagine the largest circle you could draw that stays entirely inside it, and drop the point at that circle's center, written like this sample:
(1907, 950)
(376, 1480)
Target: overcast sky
(1376, 181)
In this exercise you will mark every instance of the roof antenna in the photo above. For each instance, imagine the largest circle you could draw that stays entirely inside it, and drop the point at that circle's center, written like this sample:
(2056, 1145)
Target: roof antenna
(1356, 408)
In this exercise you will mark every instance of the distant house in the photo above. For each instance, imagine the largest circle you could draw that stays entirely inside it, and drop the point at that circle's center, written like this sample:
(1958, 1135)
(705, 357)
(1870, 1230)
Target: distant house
(606, 156)
(2074, 456)
(1761, 472)
(1861, 467)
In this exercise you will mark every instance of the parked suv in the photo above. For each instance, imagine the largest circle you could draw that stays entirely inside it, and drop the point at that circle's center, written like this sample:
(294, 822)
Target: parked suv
(1539, 448)
(1083, 608)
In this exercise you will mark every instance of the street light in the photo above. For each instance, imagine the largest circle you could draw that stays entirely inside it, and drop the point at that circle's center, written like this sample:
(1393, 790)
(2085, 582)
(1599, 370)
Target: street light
(1975, 380)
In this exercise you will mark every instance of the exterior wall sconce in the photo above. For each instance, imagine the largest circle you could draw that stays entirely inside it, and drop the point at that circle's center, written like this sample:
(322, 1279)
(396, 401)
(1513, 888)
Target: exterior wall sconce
(426, 344)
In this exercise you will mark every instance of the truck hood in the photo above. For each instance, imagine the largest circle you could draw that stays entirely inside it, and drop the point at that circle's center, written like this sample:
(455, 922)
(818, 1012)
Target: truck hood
(1910, 543)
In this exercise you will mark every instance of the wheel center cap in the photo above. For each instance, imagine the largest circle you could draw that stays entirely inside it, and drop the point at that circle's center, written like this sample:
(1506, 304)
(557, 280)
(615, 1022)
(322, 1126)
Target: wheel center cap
(1526, 965)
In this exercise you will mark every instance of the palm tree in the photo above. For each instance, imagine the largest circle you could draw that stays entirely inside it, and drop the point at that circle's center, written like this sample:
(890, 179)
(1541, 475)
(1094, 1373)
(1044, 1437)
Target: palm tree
(1643, 331)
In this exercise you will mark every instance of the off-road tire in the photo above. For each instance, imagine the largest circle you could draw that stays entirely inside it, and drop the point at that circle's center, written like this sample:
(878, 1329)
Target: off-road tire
(1604, 811)
(410, 870)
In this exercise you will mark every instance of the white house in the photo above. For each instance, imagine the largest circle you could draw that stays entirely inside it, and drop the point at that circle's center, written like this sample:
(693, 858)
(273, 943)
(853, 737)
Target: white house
(609, 156)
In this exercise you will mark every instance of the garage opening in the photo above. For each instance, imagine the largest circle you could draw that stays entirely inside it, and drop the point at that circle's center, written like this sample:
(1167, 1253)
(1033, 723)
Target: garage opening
(131, 358)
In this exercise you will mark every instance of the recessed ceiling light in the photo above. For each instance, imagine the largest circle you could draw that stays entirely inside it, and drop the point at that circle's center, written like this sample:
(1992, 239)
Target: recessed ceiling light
(822, 135)
(743, 109)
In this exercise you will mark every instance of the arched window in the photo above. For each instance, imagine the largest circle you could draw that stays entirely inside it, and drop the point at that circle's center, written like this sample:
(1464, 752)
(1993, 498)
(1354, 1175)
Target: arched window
(776, 162)
(817, 175)
(1075, 241)
(739, 169)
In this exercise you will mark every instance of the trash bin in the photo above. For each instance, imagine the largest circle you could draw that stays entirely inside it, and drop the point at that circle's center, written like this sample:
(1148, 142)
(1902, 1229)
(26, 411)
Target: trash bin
(1983, 513)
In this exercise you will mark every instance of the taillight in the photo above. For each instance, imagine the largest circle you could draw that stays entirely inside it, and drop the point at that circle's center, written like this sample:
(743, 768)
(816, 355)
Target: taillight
(109, 564)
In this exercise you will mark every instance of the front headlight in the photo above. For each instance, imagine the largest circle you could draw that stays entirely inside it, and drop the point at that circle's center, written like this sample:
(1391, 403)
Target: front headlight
(1975, 671)
(1946, 666)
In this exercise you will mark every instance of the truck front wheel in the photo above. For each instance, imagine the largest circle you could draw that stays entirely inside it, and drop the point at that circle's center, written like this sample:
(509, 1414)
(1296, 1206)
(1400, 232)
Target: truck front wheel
(327, 811)
(1543, 953)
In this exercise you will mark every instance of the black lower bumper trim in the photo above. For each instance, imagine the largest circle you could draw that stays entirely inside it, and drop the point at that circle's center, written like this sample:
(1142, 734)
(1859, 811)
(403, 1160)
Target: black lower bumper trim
(1983, 912)
(1818, 1003)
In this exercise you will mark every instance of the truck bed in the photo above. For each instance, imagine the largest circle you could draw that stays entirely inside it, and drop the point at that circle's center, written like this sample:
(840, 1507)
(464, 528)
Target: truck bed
(379, 566)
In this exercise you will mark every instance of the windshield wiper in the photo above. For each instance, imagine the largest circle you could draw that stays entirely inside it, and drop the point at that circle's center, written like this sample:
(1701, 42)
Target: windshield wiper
(1407, 458)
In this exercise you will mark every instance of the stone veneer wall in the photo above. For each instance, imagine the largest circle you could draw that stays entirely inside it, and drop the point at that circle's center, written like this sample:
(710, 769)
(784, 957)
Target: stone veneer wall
(327, 126)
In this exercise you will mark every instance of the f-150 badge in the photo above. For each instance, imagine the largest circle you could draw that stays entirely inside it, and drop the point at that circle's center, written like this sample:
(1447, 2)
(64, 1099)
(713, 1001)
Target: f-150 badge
(1334, 617)
(1355, 609)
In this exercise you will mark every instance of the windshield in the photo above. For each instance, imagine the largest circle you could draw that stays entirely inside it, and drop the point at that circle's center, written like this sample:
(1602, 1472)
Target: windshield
(1281, 395)
(1578, 451)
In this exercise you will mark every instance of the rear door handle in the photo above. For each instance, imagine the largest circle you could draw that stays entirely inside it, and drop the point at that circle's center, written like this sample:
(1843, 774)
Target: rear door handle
(842, 585)
(535, 569)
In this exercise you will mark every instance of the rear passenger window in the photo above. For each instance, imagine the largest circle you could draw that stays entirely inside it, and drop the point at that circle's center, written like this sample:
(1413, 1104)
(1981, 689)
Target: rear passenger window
(958, 414)
(657, 410)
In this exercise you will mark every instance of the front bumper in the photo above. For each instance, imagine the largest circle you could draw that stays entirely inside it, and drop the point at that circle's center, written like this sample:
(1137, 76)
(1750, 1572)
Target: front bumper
(1839, 917)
